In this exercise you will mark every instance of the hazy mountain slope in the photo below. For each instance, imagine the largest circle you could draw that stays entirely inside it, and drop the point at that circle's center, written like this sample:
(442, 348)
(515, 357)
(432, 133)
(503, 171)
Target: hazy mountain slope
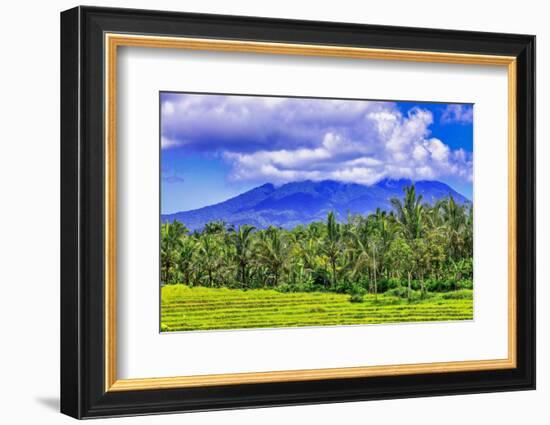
(306, 201)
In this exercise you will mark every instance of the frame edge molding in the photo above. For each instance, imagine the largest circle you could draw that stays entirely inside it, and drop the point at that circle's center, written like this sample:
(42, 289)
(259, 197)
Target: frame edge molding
(84, 381)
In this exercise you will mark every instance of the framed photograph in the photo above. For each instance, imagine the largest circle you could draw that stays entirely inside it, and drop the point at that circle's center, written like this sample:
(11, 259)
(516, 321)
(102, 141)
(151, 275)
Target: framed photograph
(261, 212)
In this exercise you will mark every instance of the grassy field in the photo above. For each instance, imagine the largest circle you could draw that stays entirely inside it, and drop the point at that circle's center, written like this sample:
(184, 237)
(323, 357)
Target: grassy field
(198, 308)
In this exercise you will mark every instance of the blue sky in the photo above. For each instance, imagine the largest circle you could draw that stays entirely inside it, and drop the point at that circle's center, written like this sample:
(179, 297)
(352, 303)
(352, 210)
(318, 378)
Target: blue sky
(214, 147)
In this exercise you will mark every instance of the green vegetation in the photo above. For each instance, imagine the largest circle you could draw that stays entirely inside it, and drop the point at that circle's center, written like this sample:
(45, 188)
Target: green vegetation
(406, 261)
(201, 308)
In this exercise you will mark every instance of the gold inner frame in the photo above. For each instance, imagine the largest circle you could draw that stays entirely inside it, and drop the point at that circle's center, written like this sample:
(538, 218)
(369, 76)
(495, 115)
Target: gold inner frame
(113, 41)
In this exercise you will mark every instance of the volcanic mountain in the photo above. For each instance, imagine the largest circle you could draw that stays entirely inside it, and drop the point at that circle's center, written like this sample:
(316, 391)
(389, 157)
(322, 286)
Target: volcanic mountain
(306, 201)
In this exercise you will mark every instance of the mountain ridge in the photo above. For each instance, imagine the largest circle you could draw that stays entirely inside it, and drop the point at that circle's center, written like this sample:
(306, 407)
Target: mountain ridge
(302, 202)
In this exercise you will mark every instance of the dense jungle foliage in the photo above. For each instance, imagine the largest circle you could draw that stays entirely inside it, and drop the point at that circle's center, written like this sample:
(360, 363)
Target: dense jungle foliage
(415, 249)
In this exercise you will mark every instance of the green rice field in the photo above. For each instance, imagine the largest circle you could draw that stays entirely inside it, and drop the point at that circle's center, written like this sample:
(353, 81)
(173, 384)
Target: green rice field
(186, 308)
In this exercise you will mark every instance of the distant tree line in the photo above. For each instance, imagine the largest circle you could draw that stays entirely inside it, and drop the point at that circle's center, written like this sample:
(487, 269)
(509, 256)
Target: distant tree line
(416, 247)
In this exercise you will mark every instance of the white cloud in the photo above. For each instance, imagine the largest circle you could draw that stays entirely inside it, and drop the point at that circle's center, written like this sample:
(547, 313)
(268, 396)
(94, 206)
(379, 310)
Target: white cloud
(458, 113)
(438, 150)
(281, 140)
(168, 108)
(398, 147)
(167, 143)
(420, 153)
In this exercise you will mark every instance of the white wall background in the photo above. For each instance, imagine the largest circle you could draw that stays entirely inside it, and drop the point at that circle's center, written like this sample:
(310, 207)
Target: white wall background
(29, 216)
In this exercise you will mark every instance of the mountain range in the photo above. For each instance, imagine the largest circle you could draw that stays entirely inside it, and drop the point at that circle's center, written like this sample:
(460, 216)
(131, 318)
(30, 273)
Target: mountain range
(306, 201)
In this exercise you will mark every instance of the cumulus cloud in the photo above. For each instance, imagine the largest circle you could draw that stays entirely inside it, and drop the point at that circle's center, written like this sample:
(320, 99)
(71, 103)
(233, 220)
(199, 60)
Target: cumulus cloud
(458, 113)
(287, 139)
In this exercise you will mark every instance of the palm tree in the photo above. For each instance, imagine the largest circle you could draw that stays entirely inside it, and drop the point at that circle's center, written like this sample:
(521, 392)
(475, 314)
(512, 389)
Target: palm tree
(209, 253)
(359, 250)
(243, 246)
(384, 229)
(214, 227)
(452, 213)
(410, 213)
(185, 260)
(171, 234)
(454, 217)
(332, 246)
(401, 256)
(272, 252)
(308, 252)
(469, 233)
(168, 265)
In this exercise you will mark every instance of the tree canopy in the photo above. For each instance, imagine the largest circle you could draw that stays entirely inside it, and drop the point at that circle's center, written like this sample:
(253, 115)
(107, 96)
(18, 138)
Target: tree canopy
(416, 246)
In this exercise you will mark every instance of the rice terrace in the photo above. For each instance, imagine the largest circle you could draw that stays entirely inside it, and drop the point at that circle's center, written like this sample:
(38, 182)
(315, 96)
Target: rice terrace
(286, 212)
(185, 309)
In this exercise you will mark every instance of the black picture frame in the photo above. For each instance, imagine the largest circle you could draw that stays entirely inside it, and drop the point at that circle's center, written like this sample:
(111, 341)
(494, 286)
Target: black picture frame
(83, 392)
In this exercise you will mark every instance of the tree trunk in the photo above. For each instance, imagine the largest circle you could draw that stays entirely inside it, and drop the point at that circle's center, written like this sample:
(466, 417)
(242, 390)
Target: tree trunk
(409, 286)
(375, 282)
(243, 274)
(333, 273)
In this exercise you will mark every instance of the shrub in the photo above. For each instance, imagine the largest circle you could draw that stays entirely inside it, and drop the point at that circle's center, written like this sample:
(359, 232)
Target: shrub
(356, 298)
(415, 295)
(285, 287)
(416, 285)
(463, 294)
(307, 285)
(385, 285)
(344, 287)
(448, 285)
(357, 293)
(320, 278)
(399, 292)
(465, 284)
